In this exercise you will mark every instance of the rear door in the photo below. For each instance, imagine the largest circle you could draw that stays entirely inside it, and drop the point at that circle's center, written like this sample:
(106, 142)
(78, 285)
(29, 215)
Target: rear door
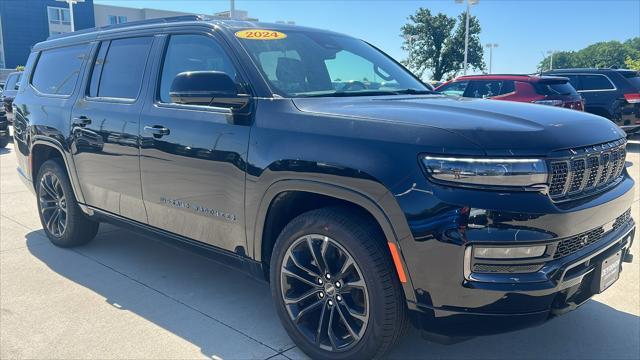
(598, 92)
(194, 158)
(105, 127)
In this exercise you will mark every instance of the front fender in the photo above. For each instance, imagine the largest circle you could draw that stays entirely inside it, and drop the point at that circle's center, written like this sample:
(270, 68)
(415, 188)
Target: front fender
(380, 204)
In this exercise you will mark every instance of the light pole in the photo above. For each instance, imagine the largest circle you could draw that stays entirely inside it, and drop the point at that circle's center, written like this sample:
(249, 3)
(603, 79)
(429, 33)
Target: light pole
(491, 46)
(466, 29)
(550, 52)
(71, 3)
(232, 9)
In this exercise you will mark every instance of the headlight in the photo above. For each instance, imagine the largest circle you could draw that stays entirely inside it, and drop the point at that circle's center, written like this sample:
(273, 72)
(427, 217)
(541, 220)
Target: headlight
(480, 172)
(521, 252)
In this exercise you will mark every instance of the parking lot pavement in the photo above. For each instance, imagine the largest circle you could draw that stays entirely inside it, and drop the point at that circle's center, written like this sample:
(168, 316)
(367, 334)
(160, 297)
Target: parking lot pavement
(129, 296)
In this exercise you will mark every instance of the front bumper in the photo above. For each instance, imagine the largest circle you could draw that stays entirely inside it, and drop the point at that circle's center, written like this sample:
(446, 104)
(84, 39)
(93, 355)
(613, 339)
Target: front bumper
(450, 299)
(573, 285)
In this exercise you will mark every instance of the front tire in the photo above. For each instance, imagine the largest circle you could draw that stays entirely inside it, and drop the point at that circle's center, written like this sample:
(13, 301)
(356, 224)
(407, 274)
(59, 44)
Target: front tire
(4, 141)
(62, 219)
(335, 287)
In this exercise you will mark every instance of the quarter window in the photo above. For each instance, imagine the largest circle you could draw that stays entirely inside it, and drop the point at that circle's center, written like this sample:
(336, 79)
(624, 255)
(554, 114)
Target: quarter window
(595, 82)
(119, 68)
(57, 69)
(192, 53)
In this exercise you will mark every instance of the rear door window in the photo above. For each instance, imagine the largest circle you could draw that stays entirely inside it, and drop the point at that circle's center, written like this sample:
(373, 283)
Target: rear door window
(455, 88)
(119, 68)
(595, 82)
(57, 70)
(484, 89)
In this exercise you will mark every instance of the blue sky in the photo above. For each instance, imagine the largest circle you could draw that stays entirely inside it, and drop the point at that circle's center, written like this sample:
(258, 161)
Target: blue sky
(522, 28)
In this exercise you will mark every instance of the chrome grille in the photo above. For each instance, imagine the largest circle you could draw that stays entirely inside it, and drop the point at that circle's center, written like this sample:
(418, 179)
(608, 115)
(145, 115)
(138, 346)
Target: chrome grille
(587, 170)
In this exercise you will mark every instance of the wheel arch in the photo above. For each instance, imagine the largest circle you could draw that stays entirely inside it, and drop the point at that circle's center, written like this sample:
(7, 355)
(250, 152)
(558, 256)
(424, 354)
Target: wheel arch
(264, 239)
(45, 148)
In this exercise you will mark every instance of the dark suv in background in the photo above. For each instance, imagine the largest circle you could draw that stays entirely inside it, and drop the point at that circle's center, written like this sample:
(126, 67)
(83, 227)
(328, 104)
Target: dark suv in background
(612, 93)
(313, 160)
(4, 129)
(9, 93)
(543, 90)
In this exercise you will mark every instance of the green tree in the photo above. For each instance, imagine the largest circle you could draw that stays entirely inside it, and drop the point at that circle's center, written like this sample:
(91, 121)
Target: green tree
(601, 55)
(632, 64)
(20, 68)
(436, 44)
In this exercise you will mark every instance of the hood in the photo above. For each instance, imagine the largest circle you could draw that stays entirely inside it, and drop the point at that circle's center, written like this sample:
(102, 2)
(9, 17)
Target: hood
(498, 127)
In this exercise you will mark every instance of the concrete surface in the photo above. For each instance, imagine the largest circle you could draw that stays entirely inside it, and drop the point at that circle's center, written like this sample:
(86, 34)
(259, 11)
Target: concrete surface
(127, 296)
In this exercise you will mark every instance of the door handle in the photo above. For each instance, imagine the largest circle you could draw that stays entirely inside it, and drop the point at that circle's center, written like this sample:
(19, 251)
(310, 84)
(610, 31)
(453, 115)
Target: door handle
(81, 121)
(157, 130)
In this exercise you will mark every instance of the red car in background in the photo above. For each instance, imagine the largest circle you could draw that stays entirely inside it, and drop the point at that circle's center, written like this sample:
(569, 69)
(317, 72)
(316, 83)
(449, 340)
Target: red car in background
(545, 90)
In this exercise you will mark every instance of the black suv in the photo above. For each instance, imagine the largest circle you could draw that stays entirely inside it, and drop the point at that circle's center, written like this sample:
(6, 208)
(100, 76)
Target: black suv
(612, 93)
(9, 93)
(317, 162)
(5, 137)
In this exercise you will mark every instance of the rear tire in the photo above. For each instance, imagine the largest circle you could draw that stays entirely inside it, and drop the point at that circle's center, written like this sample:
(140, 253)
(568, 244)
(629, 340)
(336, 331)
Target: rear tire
(62, 219)
(365, 299)
(4, 141)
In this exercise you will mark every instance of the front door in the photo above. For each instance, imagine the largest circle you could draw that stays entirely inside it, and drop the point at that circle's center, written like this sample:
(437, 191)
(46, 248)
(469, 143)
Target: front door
(193, 158)
(105, 127)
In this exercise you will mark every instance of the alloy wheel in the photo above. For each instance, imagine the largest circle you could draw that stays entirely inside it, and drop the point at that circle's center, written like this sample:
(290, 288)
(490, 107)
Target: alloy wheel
(324, 293)
(53, 204)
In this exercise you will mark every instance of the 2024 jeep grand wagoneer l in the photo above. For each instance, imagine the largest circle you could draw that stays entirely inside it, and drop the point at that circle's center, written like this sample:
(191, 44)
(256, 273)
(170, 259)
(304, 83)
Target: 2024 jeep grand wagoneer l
(316, 161)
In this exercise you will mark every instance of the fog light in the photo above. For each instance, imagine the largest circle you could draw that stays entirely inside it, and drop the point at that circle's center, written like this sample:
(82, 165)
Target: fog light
(520, 252)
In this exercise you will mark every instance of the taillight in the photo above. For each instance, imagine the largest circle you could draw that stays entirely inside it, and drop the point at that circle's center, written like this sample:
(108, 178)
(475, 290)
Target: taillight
(632, 98)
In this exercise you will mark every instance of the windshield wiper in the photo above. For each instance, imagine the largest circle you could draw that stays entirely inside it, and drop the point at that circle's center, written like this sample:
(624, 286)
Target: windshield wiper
(352, 93)
(370, 93)
(415, 92)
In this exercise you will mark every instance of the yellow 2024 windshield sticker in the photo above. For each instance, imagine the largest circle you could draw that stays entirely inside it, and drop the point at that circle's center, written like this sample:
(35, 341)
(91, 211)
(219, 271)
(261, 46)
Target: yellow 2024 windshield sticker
(260, 34)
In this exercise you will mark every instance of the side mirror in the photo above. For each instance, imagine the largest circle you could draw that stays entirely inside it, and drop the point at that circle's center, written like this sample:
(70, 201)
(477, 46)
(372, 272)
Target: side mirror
(208, 88)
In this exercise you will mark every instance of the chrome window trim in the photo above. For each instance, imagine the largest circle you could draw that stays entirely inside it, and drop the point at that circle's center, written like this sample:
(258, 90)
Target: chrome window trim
(583, 74)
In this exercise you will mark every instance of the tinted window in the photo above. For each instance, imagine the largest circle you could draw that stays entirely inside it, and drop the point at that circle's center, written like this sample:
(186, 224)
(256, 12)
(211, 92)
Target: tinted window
(454, 88)
(633, 77)
(122, 68)
(595, 82)
(508, 86)
(192, 53)
(555, 89)
(57, 70)
(13, 81)
(489, 88)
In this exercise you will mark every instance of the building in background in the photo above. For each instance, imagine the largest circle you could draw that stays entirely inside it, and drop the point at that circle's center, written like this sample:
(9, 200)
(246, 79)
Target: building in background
(25, 23)
(111, 15)
(238, 15)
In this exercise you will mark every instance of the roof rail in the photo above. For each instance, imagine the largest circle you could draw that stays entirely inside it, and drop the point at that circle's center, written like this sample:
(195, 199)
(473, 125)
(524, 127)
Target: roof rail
(164, 20)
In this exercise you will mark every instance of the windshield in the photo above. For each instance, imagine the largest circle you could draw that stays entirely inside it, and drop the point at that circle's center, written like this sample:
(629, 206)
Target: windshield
(305, 64)
(13, 82)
